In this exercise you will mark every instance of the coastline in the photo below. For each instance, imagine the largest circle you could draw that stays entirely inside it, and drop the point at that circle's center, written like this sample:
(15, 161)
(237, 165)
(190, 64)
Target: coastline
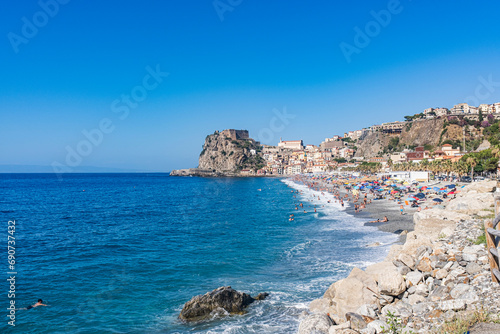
(436, 274)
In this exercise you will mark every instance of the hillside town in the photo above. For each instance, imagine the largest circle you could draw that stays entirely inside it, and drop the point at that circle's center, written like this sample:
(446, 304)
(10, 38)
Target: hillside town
(338, 152)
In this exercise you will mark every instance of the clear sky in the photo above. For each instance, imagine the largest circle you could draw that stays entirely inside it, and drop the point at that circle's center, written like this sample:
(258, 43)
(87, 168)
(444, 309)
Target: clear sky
(333, 66)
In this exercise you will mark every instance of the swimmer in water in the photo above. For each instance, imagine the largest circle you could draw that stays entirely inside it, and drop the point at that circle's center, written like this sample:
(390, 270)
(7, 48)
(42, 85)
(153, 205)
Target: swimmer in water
(39, 303)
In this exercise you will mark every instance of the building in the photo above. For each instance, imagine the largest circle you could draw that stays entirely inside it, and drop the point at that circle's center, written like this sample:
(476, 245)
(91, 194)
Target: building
(407, 176)
(418, 155)
(398, 157)
(291, 144)
(448, 150)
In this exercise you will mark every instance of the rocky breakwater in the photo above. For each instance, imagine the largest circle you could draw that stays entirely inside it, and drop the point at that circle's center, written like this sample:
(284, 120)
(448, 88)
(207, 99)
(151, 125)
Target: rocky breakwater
(439, 274)
(217, 303)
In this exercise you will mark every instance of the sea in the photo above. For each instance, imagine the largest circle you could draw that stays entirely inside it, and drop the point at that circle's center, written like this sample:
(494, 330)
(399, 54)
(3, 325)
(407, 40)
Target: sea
(122, 253)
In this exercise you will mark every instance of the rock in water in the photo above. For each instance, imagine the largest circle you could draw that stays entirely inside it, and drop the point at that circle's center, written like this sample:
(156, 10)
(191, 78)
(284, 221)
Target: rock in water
(201, 307)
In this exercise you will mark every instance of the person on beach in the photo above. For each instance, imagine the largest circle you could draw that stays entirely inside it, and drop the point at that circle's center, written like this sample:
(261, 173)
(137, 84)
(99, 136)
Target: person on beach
(385, 220)
(401, 209)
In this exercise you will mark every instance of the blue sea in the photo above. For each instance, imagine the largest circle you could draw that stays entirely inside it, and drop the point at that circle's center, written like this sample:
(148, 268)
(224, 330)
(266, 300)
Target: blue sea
(122, 253)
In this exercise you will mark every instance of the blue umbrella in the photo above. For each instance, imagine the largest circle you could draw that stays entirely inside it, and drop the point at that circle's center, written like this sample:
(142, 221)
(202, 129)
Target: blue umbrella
(410, 199)
(435, 188)
(451, 186)
(439, 200)
(420, 195)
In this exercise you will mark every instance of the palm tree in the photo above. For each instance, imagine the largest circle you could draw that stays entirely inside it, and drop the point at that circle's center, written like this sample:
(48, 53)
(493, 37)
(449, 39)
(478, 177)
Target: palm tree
(472, 163)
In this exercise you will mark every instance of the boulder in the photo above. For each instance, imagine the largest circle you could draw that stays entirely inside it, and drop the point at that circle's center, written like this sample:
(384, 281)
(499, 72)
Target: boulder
(480, 187)
(413, 278)
(352, 292)
(320, 305)
(315, 324)
(390, 281)
(407, 260)
(472, 204)
(219, 301)
(356, 320)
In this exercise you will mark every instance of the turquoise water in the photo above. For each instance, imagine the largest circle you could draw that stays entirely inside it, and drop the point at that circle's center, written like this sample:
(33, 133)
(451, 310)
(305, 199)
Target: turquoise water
(122, 253)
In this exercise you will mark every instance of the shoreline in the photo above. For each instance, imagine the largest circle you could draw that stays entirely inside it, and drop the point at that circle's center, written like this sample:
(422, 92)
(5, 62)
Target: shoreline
(438, 274)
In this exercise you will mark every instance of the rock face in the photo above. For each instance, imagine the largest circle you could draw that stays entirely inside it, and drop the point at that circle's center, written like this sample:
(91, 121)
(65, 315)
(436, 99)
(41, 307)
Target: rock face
(230, 151)
(219, 301)
(419, 132)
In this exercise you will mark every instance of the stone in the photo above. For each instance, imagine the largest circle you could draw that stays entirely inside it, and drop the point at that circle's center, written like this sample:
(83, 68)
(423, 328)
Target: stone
(344, 331)
(441, 273)
(453, 304)
(315, 324)
(320, 305)
(424, 264)
(423, 251)
(390, 281)
(473, 268)
(224, 298)
(378, 326)
(367, 310)
(411, 290)
(368, 330)
(415, 299)
(422, 290)
(403, 270)
(440, 264)
(356, 320)
(423, 307)
(352, 292)
(458, 290)
(413, 278)
(456, 272)
(335, 329)
(407, 260)
(468, 258)
(469, 297)
(439, 293)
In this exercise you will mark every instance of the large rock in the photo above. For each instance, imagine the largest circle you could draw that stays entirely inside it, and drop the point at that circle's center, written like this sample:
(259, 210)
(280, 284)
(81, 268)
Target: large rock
(320, 305)
(219, 300)
(315, 324)
(389, 280)
(480, 187)
(349, 294)
(472, 203)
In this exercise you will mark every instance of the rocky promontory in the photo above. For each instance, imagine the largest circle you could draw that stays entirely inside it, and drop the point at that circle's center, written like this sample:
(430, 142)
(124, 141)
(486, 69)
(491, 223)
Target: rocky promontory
(227, 153)
(441, 273)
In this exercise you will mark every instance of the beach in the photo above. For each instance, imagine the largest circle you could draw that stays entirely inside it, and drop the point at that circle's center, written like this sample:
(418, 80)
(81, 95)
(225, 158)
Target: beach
(438, 273)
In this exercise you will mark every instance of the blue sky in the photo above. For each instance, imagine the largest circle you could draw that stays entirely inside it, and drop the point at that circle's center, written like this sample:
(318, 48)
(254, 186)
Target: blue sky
(235, 72)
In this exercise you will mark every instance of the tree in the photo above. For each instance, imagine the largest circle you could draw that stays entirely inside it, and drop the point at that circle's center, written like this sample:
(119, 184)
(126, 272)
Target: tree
(472, 163)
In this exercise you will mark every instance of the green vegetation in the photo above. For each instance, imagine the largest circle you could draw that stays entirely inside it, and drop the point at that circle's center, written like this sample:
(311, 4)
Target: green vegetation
(395, 325)
(340, 160)
(462, 324)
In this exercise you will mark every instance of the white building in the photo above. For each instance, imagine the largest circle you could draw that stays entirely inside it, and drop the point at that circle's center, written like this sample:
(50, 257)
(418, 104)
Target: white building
(291, 144)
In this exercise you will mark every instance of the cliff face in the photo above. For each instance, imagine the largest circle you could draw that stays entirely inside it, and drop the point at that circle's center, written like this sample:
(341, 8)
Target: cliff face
(373, 143)
(422, 132)
(229, 151)
(417, 133)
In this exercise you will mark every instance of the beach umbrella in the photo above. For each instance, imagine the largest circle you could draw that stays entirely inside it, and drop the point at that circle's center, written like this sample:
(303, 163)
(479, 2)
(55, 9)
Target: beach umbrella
(435, 189)
(439, 200)
(420, 195)
(451, 186)
(410, 199)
